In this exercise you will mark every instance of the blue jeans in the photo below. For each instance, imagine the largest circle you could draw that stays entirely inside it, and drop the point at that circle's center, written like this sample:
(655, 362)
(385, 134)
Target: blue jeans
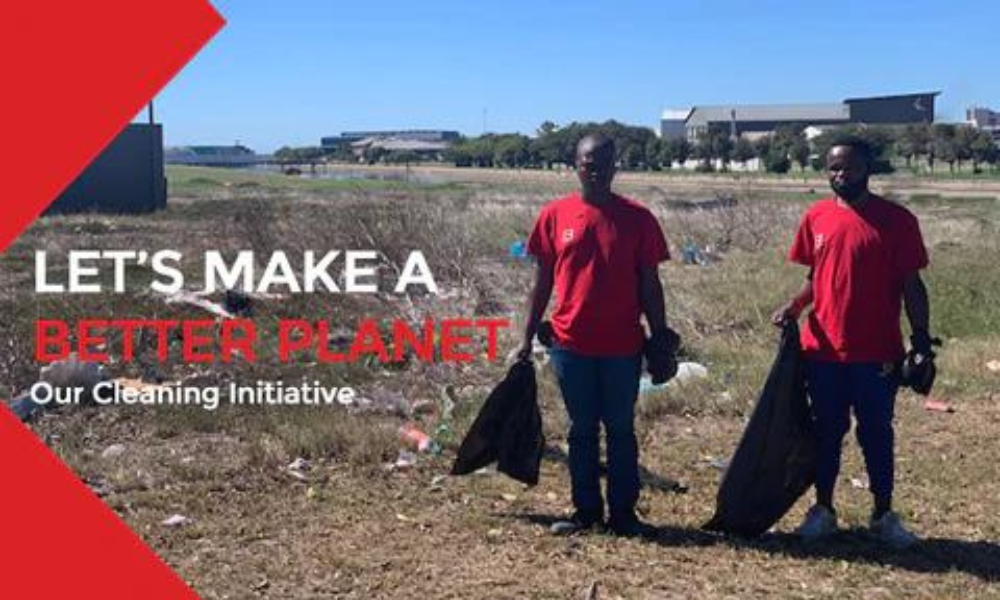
(870, 389)
(600, 390)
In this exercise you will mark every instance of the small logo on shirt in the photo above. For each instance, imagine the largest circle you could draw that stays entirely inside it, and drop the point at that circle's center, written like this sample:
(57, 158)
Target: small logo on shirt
(567, 235)
(819, 241)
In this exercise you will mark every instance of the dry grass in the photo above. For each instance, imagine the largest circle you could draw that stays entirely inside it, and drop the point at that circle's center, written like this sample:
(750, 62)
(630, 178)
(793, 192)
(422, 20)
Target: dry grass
(353, 529)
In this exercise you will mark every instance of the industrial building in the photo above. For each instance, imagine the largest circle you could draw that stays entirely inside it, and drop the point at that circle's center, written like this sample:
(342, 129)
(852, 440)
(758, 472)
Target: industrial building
(984, 119)
(754, 120)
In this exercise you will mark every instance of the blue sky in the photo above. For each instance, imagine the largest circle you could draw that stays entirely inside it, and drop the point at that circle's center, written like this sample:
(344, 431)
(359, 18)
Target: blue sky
(287, 73)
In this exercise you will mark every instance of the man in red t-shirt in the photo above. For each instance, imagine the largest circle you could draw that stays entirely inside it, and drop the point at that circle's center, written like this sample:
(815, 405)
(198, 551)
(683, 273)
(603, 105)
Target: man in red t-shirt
(864, 255)
(600, 252)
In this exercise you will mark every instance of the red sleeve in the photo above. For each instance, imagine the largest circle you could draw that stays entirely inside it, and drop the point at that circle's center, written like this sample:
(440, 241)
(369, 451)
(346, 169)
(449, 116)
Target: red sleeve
(540, 241)
(802, 250)
(910, 254)
(653, 247)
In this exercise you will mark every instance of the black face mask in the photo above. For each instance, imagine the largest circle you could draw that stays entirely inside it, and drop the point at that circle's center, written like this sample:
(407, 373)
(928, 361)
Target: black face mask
(850, 191)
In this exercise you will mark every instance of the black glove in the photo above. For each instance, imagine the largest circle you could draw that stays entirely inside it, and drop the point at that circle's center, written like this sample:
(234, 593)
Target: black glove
(918, 370)
(661, 355)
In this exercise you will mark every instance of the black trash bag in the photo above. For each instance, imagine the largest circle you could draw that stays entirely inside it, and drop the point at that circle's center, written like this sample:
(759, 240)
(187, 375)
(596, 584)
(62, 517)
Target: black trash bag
(508, 429)
(775, 461)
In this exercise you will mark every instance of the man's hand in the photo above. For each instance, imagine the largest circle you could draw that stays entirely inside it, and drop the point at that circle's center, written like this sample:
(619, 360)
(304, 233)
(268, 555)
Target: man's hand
(788, 312)
(792, 310)
(661, 355)
(525, 351)
(919, 371)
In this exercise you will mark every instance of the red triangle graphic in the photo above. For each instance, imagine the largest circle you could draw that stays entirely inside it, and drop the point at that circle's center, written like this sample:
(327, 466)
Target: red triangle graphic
(75, 73)
(59, 541)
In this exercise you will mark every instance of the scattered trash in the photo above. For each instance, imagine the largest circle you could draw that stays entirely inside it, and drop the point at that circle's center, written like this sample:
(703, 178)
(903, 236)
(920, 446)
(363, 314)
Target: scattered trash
(442, 431)
(176, 521)
(993, 366)
(659, 483)
(297, 467)
(509, 497)
(138, 385)
(691, 255)
(591, 592)
(72, 373)
(423, 407)
(100, 487)
(261, 585)
(646, 385)
(192, 299)
(411, 435)
(859, 483)
(237, 303)
(448, 401)
(494, 535)
(938, 406)
(690, 371)
(299, 464)
(24, 408)
(113, 451)
(311, 493)
(386, 401)
(406, 460)
(720, 464)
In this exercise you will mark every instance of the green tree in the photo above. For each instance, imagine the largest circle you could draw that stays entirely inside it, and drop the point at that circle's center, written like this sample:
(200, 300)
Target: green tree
(965, 136)
(654, 153)
(677, 149)
(912, 142)
(546, 128)
(776, 160)
(983, 150)
(511, 151)
(743, 150)
(944, 145)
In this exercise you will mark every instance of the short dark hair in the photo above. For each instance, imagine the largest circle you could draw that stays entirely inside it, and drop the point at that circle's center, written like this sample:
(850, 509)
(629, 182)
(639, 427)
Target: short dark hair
(857, 144)
(601, 142)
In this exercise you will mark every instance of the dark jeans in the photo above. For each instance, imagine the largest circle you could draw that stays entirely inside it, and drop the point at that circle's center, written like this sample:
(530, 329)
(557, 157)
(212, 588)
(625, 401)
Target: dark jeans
(870, 389)
(600, 390)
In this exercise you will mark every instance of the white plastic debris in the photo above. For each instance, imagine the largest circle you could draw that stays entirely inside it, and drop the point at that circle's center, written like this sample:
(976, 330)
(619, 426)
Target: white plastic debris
(193, 299)
(176, 521)
(690, 371)
(406, 460)
(299, 464)
(113, 451)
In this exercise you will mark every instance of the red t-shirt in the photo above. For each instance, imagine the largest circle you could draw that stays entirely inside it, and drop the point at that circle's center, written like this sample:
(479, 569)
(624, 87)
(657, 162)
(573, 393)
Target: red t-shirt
(597, 253)
(860, 259)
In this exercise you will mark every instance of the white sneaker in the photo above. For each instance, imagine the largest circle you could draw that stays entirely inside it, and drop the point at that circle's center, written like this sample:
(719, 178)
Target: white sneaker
(819, 523)
(889, 529)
